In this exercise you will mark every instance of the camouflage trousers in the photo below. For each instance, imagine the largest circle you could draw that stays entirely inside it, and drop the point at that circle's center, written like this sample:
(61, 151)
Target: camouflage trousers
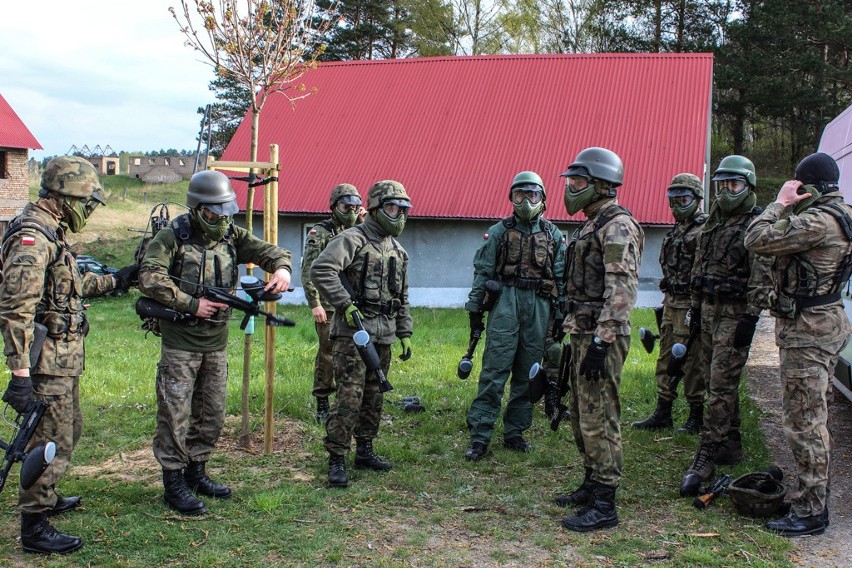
(63, 423)
(596, 410)
(726, 364)
(357, 408)
(191, 395)
(806, 379)
(674, 330)
(323, 367)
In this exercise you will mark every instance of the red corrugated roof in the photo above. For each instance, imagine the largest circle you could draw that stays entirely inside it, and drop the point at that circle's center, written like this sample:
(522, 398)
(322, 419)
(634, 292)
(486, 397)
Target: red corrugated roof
(13, 133)
(455, 130)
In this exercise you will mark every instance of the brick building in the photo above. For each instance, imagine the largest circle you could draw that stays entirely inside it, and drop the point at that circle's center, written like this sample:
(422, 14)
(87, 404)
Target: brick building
(162, 169)
(15, 143)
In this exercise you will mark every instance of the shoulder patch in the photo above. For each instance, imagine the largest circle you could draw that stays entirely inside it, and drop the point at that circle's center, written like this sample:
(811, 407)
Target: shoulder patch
(28, 240)
(24, 260)
(312, 232)
(485, 236)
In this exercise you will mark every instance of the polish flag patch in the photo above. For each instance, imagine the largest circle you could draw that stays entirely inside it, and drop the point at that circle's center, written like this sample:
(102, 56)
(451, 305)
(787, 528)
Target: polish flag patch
(28, 240)
(485, 236)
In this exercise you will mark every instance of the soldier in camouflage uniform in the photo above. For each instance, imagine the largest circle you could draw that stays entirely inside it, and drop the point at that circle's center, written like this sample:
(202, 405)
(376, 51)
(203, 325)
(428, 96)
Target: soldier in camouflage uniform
(677, 254)
(345, 205)
(808, 233)
(42, 284)
(369, 261)
(730, 288)
(202, 248)
(526, 254)
(601, 283)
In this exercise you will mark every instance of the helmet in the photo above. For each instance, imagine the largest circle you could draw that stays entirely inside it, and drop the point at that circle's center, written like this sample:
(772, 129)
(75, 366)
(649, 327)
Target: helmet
(688, 182)
(387, 190)
(732, 167)
(758, 494)
(213, 190)
(523, 178)
(344, 190)
(598, 163)
(72, 176)
(816, 168)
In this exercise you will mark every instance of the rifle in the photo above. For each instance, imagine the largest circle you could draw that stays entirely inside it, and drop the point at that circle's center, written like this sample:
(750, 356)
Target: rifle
(489, 300)
(149, 309)
(708, 495)
(364, 343)
(37, 459)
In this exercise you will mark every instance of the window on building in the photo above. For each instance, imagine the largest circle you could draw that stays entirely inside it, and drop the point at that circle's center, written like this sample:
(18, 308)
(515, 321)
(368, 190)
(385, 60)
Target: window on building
(4, 166)
(166, 161)
(137, 161)
(181, 162)
(152, 162)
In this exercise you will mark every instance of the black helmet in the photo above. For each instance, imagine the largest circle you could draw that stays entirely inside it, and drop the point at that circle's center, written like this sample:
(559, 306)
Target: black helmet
(816, 168)
(213, 190)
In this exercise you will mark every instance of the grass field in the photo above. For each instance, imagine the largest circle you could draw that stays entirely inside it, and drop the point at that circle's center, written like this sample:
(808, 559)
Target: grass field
(433, 509)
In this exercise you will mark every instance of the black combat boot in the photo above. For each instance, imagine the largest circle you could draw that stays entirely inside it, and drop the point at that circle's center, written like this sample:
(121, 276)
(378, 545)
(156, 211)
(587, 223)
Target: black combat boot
(63, 505)
(177, 495)
(580, 497)
(730, 452)
(701, 469)
(793, 525)
(197, 481)
(517, 444)
(598, 514)
(661, 418)
(322, 409)
(40, 537)
(337, 471)
(476, 451)
(366, 458)
(694, 421)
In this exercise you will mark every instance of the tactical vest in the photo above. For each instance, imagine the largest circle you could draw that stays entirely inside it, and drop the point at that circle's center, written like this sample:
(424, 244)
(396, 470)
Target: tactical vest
(725, 267)
(676, 259)
(799, 284)
(585, 280)
(525, 260)
(196, 266)
(377, 277)
(61, 306)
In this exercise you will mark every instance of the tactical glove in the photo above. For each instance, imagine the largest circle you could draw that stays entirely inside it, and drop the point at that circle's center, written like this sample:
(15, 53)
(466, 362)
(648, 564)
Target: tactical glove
(476, 321)
(694, 314)
(745, 331)
(126, 277)
(18, 393)
(406, 349)
(351, 312)
(593, 366)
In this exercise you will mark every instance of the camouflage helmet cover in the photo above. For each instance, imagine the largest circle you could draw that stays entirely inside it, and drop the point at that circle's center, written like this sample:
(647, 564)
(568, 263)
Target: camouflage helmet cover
(597, 163)
(346, 192)
(71, 175)
(733, 167)
(213, 190)
(387, 190)
(684, 184)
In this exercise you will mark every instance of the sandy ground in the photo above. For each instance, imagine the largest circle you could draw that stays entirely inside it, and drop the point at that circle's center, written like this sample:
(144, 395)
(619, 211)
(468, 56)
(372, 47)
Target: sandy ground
(834, 547)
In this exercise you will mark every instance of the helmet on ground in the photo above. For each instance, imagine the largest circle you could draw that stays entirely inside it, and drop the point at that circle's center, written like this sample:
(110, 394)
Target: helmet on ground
(72, 176)
(346, 193)
(734, 167)
(684, 184)
(817, 168)
(758, 494)
(213, 190)
(597, 163)
(387, 190)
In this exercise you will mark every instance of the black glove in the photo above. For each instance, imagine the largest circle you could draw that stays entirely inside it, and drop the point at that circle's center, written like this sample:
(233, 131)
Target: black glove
(694, 321)
(593, 366)
(476, 321)
(18, 393)
(126, 277)
(745, 331)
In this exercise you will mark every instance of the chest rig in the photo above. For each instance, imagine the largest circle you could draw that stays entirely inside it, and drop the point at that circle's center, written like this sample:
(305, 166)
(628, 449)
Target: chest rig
(525, 260)
(677, 254)
(725, 267)
(377, 275)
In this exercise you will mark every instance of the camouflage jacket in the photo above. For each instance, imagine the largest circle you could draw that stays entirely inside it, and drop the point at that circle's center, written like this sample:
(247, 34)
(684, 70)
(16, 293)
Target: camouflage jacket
(376, 267)
(602, 272)
(724, 271)
(814, 247)
(41, 283)
(318, 238)
(677, 255)
(158, 279)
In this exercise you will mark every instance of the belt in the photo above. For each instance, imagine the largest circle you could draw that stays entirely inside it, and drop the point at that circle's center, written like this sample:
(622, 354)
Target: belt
(812, 301)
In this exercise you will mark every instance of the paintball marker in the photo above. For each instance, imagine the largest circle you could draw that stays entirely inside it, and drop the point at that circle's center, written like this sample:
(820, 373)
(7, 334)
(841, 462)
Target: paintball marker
(151, 309)
(364, 343)
(560, 410)
(709, 495)
(648, 337)
(553, 390)
(489, 300)
(678, 358)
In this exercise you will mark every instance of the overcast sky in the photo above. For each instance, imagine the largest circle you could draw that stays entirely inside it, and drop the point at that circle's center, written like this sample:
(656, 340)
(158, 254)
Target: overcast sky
(101, 72)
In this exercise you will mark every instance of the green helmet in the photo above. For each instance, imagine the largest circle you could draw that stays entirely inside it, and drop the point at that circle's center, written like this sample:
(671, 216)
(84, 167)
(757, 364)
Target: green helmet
(597, 163)
(523, 178)
(686, 181)
(213, 190)
(345, 192)
(72, 176)
(757, 494)
(732, 167)
(387, 190)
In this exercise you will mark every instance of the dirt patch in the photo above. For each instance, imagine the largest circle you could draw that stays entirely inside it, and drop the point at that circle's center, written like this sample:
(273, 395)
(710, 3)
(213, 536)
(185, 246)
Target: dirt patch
(834, 547)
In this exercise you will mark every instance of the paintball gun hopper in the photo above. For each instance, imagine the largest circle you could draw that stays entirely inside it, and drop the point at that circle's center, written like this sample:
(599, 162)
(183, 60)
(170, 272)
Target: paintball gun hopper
(34, 462)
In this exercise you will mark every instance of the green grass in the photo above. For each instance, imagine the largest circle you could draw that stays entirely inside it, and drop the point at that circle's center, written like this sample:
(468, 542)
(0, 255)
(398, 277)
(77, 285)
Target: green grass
(433, 509)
